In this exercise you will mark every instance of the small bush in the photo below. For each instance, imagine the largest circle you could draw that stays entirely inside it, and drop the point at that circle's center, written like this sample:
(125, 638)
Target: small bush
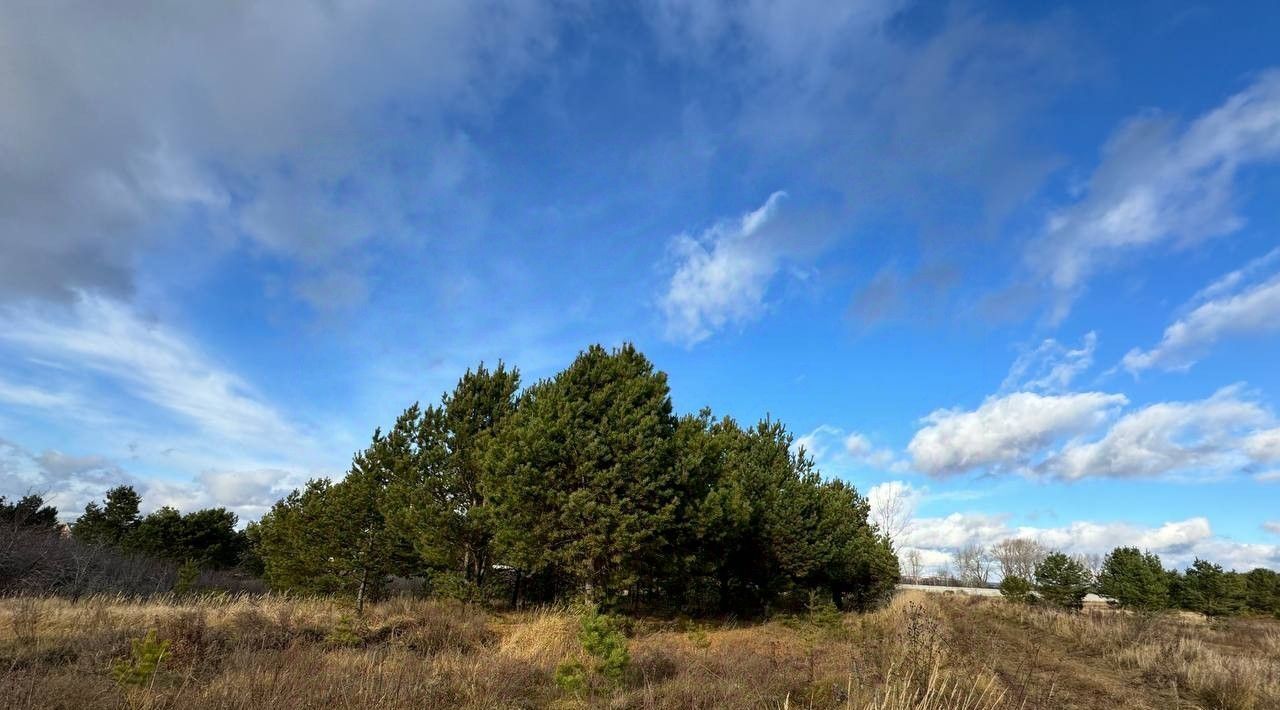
(188, 573)
(344, 633)
(143, 661)
(1016, 589)
(571, 677)
(602, 637)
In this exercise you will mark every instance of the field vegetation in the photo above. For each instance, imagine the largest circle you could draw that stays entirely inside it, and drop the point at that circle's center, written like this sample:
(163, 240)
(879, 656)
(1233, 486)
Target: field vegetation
(919, 651)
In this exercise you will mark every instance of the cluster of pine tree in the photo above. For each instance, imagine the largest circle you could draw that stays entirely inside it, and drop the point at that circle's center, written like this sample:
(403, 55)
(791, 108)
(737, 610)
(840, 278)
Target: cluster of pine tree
(1133, 579)
(584, 484)
(206, 538)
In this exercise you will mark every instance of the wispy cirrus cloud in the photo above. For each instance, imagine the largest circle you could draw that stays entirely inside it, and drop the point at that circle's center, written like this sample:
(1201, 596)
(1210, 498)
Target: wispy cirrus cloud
(1238, 304)
(836, 449)
(149, 361)
(1050, 367)
(1160, 183)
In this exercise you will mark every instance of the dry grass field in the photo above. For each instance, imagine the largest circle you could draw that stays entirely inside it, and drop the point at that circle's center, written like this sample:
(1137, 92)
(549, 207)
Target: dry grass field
(923, 651)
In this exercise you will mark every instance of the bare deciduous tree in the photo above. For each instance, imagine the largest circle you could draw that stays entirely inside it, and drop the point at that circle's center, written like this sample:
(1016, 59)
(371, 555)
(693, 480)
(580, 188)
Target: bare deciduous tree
(913, 562)
(974, 565)
(891, 508)
(1018, 556)
(1091, 561)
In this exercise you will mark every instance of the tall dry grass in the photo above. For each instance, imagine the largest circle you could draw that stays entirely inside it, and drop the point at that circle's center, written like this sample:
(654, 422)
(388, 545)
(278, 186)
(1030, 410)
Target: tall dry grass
(257, 652)
(1231, 664)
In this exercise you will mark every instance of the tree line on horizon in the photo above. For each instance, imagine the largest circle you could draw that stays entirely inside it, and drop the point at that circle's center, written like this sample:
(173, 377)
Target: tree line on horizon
(1130, 578)
(584, 484)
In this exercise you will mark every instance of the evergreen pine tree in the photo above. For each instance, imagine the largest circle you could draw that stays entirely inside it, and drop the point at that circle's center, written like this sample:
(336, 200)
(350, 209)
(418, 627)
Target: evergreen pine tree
(588, 487)
(1135, 580)
(1062, 581)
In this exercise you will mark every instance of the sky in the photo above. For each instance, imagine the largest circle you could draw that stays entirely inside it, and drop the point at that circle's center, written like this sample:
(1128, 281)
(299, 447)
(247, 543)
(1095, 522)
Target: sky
(1013, 265)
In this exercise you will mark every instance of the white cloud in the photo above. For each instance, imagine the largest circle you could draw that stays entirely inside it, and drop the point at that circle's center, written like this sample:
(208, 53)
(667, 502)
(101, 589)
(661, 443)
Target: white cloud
(1272, 526)
(1253, 310)
(153, 363)
(831, 447)
(1177, 542)
(722, 275)
(1204, 436)
(1050, 367)
(1159, 185)
(34, 397)
(1264, 446)
(1006, 433)
(249, 492)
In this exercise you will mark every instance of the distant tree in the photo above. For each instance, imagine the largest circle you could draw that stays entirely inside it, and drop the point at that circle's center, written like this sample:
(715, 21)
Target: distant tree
(973, 565)
(1262, 591)
(1134, 579)
(1092, 564)
(28, 512)
(110, 523)
(1016, 589)
(914, 563)
(293, 543)
(1062, 581)
(892, 510)
(210, 539)
(760, 516)
(1208, 589)
(159, 534)
(1018, 556)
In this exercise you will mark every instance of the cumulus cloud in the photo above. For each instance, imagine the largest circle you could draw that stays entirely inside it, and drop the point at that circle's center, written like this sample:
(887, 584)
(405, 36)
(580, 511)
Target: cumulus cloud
(1230, 311)
(1160, 184)
(1051, 366)
(1177, 542)
(722, 275)
(1264, 446)
(307, 127)
(1167, 438)
(1006, 432)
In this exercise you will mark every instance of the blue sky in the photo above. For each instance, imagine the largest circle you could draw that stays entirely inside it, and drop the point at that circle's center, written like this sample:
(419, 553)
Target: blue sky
(1016, 265)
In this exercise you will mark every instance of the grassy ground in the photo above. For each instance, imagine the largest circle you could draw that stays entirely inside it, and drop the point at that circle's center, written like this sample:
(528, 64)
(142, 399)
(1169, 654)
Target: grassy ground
(922, 652)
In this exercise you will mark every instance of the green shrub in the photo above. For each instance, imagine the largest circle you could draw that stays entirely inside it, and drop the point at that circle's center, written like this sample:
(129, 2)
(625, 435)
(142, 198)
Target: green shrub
(1016, 589)
(143, 661)
(344, 634)
(454, 585)
(571, 677)
(603, 639)
(188, 573)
